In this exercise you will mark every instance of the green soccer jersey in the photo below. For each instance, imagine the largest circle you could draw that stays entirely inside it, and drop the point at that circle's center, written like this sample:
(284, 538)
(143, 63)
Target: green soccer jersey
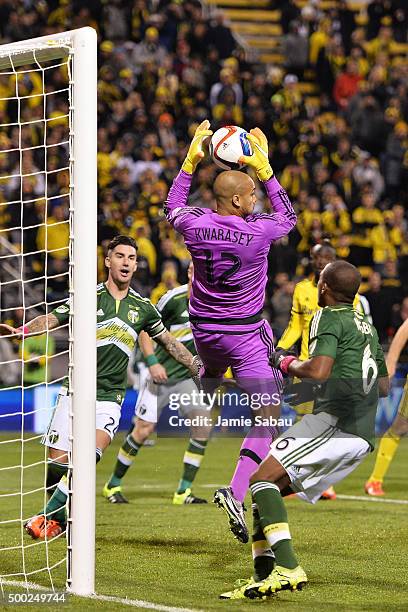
(351, 392)
(173, 307)
(119, 323)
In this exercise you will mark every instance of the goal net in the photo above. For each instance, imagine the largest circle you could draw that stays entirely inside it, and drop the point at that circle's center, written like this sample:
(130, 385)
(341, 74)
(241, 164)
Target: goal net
(47, 255)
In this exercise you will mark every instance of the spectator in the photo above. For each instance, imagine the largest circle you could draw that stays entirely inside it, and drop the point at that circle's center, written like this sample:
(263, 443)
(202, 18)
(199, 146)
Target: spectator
(346, 84)
(295, 48)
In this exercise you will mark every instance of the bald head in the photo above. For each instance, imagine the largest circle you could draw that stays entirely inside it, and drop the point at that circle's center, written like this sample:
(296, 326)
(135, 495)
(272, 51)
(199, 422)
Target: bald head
(339, 283)
(234, 193)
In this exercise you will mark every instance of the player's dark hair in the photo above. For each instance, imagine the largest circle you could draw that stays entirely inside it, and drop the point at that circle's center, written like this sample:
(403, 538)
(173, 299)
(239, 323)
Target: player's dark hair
(343, 279)
(121, 239)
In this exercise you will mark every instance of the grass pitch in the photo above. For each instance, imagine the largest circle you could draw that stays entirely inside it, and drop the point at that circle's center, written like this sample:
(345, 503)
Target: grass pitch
(354, 552)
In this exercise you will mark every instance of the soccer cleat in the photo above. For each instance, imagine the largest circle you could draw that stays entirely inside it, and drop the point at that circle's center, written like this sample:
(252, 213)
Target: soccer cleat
(280, 579)
(330, 493)
(187, 498)
(374, 488)
(234, 510)
(240, 586)
(39, 528)
(114, 495)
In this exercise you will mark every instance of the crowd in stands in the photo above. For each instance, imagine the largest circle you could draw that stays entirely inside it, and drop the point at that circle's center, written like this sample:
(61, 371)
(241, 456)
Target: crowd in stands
(164, 66)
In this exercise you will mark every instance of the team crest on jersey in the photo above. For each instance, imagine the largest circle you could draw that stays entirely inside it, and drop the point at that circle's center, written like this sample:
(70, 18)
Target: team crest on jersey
(53, 436)
(133, 316)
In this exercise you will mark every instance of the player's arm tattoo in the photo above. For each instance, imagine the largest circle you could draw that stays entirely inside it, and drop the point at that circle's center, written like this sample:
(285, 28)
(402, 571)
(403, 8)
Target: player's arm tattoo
(178, 351)
(42, 323)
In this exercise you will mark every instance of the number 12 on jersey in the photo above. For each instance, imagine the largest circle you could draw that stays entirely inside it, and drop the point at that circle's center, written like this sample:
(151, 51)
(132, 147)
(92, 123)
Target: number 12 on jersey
(221, 282)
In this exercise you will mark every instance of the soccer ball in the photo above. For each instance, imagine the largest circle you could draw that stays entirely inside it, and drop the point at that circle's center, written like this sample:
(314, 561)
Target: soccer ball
(227, 145)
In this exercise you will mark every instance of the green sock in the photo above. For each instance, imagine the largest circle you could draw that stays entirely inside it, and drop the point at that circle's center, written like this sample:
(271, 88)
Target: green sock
(126, 455)
(274, 521)
(191, 463)
(55, 508)
(55, 471)
(263, 557)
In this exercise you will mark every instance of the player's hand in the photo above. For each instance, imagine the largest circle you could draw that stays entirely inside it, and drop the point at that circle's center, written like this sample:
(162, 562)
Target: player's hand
(195, 152)
(259, 159)
(281, 359)
(158, 374)
(8, 330)
(296, 393)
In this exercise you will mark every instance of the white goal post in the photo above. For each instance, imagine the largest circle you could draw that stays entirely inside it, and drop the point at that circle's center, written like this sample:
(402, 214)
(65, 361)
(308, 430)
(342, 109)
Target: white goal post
(79, 48)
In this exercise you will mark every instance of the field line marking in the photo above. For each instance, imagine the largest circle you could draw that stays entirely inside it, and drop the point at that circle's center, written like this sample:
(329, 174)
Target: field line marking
(373, 499)
(136, 603)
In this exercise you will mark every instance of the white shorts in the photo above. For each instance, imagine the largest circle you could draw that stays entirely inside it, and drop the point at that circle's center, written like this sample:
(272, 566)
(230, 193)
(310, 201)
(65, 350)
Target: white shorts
(316, 454)
(153, 398)
(58, 432)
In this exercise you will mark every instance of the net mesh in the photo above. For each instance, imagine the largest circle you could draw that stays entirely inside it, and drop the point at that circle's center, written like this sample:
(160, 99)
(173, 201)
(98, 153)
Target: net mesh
(35, 276)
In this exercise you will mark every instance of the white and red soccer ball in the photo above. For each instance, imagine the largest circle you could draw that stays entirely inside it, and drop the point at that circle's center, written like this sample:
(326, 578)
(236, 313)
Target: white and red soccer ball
(227, 145)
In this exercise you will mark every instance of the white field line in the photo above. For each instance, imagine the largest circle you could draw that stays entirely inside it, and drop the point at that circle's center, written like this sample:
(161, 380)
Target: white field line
(363, 498)
(136, 603)
(367, 498)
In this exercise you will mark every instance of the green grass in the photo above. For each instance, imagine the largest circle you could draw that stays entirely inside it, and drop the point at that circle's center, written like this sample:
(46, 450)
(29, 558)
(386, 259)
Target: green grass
(353, 551)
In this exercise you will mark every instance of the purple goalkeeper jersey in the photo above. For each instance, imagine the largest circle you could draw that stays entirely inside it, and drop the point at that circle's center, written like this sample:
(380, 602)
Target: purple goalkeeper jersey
(230, 253)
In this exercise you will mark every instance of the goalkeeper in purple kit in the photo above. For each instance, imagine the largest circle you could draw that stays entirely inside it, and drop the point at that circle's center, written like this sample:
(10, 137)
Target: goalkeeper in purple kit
(229, 247)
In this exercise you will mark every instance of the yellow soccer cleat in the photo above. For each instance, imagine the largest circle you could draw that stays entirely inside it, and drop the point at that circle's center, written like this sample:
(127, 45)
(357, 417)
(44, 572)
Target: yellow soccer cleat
(280, 579)
(187, 498)
(114, 495)
(240, 586)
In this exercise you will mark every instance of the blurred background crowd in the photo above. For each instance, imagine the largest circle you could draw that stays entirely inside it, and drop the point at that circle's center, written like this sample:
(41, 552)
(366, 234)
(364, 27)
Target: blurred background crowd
(166, 65)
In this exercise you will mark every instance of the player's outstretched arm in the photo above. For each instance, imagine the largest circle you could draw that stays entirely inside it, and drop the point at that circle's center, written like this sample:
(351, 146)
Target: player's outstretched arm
(283, 217)
(179, 352)
(175, 207)
(317, 368)
(157, 371)
(398, 342)
(38, 325)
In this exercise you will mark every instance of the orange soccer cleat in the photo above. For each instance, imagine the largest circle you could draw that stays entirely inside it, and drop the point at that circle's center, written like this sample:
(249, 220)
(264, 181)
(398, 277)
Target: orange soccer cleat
(374, 488)
(330, 493)
(38, 527)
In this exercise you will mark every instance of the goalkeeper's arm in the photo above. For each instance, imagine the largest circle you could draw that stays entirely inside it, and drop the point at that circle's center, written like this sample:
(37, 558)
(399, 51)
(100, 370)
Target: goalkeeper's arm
(175, 205)
(38, 325)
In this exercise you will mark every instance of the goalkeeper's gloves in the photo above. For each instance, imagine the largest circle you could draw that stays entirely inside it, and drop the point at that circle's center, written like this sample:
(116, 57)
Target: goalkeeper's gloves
(259, 159)
(281, 360)
(195, 152)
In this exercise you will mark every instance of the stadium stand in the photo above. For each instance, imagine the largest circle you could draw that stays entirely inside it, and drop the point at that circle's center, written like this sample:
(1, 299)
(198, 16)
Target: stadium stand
(328, 83)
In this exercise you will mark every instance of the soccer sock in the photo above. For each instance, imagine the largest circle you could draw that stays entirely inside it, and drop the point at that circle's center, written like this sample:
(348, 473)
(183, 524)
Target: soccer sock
(126, 455)
(385, 454)
(274, 522)
(263, 557)
(55, 471)
(191, 461)
(55, 508)
(254, 449)
(99, 452)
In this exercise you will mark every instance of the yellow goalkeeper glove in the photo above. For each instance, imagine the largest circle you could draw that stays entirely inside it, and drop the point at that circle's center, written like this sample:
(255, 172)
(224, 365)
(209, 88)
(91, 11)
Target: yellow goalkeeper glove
(195, 151)
(259, 160)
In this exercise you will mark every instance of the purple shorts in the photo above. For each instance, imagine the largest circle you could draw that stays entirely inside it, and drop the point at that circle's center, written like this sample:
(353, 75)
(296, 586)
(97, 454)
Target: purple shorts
(246, 352)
